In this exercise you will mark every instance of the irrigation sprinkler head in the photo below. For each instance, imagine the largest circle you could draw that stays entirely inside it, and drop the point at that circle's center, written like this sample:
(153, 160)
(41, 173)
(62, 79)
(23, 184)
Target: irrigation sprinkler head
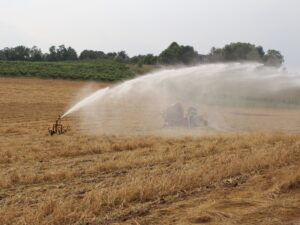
(57, 127)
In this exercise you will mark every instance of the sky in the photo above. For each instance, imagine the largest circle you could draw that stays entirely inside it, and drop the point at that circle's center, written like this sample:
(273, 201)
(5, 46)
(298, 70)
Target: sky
(149, 26)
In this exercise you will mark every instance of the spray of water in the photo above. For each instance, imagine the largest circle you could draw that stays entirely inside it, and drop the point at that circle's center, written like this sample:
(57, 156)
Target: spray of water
(87, 101)
(138, 104)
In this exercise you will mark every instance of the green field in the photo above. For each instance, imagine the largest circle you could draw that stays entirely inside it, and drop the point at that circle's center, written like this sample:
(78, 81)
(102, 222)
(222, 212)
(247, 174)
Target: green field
(102, 70)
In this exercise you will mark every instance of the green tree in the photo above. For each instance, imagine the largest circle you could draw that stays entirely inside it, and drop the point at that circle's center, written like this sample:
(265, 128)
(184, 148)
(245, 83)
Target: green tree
(137, 59)
(240, 51)
(61, 53)
(178, 54)
(2, 55)
(149, 59)
(52, 54)
(21, 52)
(71, 54)
(188, 55)
(215, 55)
(170, 55)
(35, 54)
(122, 56)
(111, 55)
(90, 54)
(17, 53)
(260, 51)
(273, 58)
(237, 52)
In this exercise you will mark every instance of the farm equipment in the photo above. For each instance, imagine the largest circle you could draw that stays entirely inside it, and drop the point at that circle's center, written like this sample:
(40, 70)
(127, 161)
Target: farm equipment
(57, 127)
(175, 115)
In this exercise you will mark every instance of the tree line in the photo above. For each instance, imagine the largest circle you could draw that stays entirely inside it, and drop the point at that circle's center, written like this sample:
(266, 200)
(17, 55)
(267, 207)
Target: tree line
(173, 54)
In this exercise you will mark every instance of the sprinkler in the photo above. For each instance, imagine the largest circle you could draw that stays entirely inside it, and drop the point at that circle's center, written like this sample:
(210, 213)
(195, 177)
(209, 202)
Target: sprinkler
(57, 127)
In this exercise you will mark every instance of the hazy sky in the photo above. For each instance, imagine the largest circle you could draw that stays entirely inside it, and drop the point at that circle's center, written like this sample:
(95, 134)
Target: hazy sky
(148, 26)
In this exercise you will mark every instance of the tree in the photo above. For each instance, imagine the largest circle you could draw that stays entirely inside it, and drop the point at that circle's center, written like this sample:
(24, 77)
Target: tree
(18, 53)
(2, 55)
(8, 53)
(90, 54)
(122, 56)
(61, 53)
(178, 54)
(149, 59)
(188, 55)
(237, 52)
(35, 54)
(137, 59)
(173, 54)
(111, 55)
(260, 51)
(170, 55)
(21, 52)
(71, 54)
(52, 54)
(215, 55)
(273, 58)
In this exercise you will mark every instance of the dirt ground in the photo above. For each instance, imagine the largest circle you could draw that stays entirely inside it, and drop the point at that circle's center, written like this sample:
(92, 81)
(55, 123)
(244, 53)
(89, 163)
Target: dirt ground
(245, 170)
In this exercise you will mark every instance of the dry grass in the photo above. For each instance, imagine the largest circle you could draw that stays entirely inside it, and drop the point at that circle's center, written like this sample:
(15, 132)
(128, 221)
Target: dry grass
(250, 178)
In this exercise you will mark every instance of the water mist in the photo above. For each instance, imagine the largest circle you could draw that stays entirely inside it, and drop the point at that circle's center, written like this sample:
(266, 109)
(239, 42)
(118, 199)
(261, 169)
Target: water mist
(137, 105)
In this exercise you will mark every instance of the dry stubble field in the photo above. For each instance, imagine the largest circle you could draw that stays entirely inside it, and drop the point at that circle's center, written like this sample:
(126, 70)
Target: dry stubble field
(224, 178)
